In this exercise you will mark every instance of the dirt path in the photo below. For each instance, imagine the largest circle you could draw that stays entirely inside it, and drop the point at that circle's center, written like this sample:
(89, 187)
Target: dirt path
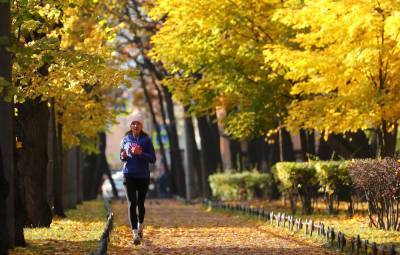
(175, 228)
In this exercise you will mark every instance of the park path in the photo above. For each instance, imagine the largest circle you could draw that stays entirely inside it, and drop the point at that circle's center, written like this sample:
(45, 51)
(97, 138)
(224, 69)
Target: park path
(175, 228)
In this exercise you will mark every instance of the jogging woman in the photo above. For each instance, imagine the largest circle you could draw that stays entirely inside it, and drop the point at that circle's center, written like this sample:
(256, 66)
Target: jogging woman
(137, 152)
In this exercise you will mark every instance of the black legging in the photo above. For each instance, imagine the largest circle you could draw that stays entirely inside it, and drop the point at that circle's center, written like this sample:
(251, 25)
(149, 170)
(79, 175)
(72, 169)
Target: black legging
(136, 190)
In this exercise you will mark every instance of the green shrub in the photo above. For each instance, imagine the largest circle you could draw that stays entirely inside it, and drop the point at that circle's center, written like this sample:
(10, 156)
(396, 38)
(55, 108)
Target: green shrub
(240, 185)
(335, 183)
(297, 178)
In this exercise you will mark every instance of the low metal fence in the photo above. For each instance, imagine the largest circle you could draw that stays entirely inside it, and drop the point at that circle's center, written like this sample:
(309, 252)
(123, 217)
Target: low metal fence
(352, 244)
(105, 237)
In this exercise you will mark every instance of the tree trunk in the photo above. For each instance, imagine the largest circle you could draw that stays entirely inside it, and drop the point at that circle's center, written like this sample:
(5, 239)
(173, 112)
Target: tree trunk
(286, 146)
(58, 173)
(324, 150)
(176, 157)
(71, 186)
(104, 163)
(211, 155)
(206, 154)
(155, 123)
(387, 139)
(89, 170)
(33, 118)
(79, 197)
(236, 155)
(192, 163)
(4, 192)
(7, 138)
(273, 154)
(172, 175)
(215, 144)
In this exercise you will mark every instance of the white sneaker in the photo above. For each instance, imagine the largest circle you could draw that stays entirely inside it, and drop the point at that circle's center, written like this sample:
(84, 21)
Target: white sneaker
(140, 229)
(136, 237)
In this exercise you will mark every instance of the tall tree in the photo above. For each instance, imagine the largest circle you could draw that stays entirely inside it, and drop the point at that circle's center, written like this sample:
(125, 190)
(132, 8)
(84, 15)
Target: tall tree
(344, 72)
(32, 124)
(7, 142)
(216, 61)
(134, 45)
(192, 160)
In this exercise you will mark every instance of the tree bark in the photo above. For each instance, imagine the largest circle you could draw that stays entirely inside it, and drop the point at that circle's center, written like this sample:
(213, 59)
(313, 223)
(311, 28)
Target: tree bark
(89, 171)
(286, 146)
(58, 172)
(71, 185)
(7, 138)
(4, 192)
(172, 175)
(387, 139)
(155, 123)
(104, 163)
(79, 197)
(210, 151)
(33, 118)
(193, 167)
(176, 157)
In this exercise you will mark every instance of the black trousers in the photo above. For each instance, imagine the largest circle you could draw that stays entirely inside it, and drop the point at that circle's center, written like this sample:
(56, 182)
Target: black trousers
(136, 190)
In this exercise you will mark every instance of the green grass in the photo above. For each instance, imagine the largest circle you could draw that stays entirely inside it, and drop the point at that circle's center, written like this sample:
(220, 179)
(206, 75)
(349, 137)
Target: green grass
(77, 234)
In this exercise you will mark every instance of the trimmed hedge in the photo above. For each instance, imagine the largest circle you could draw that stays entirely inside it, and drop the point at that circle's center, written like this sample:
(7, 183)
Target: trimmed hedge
(335, 183)
(309, 179)
(240, 185)
(297, 178)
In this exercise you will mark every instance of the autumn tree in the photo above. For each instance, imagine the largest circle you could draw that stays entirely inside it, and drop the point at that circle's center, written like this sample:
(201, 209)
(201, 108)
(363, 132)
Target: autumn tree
(344, 61)
(61, 52)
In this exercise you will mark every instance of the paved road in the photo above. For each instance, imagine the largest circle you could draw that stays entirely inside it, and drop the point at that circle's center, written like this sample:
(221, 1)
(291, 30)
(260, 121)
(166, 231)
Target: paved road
(175, 228)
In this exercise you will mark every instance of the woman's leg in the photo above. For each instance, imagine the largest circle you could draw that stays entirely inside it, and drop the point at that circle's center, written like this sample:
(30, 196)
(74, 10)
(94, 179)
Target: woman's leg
(130, 188)
(143, 187)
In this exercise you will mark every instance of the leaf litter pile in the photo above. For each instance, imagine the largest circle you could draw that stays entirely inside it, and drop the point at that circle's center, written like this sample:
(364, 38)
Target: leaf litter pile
(175, 228)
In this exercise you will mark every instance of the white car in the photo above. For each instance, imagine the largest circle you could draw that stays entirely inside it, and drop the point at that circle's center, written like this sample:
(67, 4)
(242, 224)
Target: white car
(106, 188)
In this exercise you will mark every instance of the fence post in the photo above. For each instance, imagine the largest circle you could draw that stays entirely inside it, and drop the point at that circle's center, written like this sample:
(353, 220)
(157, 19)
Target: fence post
(271, 217)
(366, 247)
(332, 235)
(278, 219)
(311, 228)
(339, 239)
(284, 220)
(306, 226)
(383, 250)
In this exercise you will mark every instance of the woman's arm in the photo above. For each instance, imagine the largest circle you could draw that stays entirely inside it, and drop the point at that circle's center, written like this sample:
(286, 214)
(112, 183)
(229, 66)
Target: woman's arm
(123, 156)
(148, 152)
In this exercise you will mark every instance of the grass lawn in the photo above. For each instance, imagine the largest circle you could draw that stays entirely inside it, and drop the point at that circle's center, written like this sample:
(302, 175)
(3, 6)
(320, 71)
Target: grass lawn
(349, 225)
(79, 233)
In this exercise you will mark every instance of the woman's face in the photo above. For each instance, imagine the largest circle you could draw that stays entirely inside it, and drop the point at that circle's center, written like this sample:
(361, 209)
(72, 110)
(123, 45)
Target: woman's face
(136, 128)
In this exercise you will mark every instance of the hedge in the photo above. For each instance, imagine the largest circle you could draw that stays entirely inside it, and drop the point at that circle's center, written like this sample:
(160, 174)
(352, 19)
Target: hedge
(232, 185)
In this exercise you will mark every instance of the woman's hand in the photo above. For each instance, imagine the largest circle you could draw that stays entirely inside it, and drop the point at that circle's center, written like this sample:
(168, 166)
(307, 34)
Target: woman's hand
(136, 149)
(124, 155)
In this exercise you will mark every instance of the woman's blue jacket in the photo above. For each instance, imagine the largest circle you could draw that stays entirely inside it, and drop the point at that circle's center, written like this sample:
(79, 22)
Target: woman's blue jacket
(137, 166)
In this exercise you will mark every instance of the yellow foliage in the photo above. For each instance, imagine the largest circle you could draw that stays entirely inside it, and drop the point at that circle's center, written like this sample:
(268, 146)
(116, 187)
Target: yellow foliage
(63, 50)
(344, 60)
(216, 58)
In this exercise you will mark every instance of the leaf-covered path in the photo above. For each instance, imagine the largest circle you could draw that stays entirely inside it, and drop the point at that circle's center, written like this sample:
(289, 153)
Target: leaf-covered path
(176, 228)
